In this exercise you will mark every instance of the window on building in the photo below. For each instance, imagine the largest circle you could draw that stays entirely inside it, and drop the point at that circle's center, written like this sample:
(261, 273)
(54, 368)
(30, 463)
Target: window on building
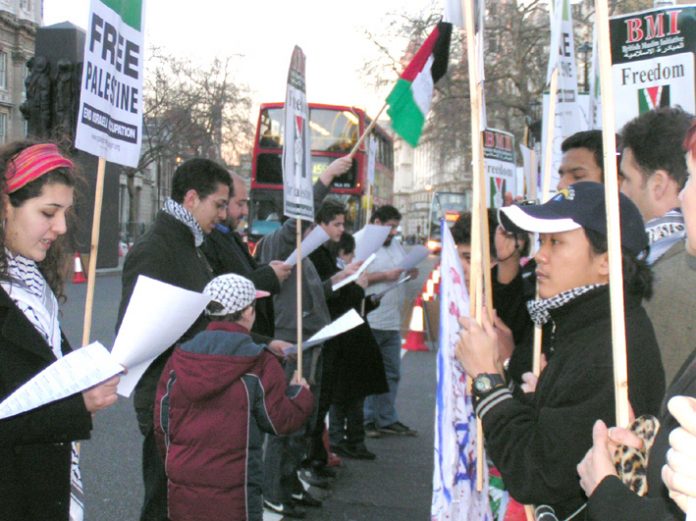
(3, 127)
(3, 70)
(25, 4)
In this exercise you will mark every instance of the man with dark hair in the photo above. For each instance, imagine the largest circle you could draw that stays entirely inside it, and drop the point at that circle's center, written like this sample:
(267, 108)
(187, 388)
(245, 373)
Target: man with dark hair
(582, 158)
(380, 409)
(653, 172)
(170, 252)
(227, 253)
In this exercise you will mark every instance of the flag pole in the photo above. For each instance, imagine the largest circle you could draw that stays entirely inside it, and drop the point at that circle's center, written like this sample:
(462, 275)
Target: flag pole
(366, 132)
(298, 239)
(478, 200)
(611, 191)
(93, 248)
(545, 190)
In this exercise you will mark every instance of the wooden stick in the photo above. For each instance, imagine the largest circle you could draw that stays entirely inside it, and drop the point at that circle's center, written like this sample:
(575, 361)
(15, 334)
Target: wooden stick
(367, 131)
(532, 174)
(478, 199)
(93, 248)
(611, 195)
(298, 239)
(529, 512)
(548, 138)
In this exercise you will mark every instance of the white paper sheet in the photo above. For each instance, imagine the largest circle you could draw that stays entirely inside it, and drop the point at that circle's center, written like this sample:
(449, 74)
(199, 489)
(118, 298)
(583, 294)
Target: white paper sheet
(369, 239)
(73, 373)
(393, 286)
(157, 315)
(345, 322)
(316, 238)
(414, 257)
(691, 510)
(355, 275)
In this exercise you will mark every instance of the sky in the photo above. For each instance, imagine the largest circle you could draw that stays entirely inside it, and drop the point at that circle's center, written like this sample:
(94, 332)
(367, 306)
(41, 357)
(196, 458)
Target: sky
(261, 37)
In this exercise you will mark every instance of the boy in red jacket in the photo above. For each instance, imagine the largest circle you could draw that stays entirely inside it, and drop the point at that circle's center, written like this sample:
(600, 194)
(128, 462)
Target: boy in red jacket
(218, 394)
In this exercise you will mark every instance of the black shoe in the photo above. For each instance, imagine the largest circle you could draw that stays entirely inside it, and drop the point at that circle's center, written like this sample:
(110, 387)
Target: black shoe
(398, 429)
(371, 430)
(323, 471)
(353, 450)
(285, 509)
(305, 499)
(310, 478)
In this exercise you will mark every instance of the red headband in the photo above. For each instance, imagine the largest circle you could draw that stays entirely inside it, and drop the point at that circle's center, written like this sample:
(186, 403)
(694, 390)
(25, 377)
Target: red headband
(31, 163)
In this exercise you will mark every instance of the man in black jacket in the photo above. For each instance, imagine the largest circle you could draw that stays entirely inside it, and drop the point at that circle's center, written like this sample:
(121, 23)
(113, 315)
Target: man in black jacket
(227, 253)
(170, 252)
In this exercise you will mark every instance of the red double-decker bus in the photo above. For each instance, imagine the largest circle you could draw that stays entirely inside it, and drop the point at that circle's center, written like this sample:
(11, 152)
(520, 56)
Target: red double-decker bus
(334, 130)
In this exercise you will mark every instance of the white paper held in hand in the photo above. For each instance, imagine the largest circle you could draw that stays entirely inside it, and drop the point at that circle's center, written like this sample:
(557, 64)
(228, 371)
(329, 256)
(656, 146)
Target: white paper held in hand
(156, 317)
(316, 238)
(356, 275)
(73, 373)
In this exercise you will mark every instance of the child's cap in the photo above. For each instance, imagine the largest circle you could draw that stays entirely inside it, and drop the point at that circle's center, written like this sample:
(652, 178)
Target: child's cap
(232, 292)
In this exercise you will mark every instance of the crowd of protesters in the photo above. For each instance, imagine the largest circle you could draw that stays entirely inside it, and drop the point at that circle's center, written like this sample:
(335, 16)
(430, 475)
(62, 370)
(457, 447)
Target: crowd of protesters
(241, 432)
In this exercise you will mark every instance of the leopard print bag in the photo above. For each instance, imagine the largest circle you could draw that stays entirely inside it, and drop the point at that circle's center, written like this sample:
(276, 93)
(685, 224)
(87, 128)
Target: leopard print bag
(632, 464)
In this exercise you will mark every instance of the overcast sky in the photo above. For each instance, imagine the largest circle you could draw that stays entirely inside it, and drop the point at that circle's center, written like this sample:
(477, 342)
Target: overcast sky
(331, 34)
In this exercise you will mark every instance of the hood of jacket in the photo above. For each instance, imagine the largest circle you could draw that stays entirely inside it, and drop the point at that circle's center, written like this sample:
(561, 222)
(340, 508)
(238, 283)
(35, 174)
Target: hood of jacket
(215, 358)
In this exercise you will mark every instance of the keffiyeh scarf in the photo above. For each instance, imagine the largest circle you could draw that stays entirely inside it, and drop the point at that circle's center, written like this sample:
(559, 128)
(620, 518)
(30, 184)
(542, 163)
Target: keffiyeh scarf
(664, 232)
(539, 309)
(31, 294)
(181, 214)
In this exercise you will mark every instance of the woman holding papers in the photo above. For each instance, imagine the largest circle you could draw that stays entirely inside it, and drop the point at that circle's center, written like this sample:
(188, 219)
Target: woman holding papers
(39, 477)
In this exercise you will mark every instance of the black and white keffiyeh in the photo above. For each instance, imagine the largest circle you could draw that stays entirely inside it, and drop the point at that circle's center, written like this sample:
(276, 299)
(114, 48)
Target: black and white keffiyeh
(181, 214)
(664, 232)
(30, 292)
(539, 308)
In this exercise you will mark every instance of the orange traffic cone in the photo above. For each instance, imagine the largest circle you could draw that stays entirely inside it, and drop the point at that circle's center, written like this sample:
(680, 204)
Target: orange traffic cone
(78, 273)
(415, 339)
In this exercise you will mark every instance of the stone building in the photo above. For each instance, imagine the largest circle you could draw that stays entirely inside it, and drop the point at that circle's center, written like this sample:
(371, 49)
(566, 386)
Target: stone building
(19, 20)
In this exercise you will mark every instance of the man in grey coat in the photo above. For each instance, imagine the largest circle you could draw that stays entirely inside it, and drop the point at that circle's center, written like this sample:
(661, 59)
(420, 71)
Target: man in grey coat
(653, 172)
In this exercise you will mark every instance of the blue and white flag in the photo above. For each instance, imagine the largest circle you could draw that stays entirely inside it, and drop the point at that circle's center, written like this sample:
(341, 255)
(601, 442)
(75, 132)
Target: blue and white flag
(454, 478)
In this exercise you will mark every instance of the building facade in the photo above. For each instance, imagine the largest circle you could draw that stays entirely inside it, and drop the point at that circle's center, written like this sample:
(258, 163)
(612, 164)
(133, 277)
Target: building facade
(19, 20)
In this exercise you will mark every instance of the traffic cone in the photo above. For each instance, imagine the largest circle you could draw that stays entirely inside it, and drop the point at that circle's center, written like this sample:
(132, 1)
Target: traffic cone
(78, 273)
(415, 338)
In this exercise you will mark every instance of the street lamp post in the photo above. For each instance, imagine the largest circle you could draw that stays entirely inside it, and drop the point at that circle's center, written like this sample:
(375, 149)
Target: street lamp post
(585, 48)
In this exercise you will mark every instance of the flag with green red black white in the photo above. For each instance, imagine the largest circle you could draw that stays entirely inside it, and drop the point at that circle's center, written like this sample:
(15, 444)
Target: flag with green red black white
(410, 99)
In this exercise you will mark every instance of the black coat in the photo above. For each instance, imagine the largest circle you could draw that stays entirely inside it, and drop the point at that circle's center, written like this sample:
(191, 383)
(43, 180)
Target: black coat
(537, 444)
(166, 252)
(227, 253)
(613, 501)
(35, 447)
(358, 365)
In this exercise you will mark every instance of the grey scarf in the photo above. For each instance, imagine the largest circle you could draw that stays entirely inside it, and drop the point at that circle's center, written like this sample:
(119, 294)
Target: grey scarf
(539, 308)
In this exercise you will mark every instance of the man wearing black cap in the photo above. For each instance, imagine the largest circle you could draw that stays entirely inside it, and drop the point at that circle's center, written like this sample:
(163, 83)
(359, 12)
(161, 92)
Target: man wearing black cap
(537, 441)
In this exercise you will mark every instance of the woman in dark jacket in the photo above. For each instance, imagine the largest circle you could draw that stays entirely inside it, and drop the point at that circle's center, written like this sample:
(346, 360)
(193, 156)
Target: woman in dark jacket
(352, 363)
(37, 458)
(536, 441)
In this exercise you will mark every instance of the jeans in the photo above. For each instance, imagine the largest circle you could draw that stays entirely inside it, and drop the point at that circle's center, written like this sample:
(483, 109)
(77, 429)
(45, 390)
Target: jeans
(381, 408)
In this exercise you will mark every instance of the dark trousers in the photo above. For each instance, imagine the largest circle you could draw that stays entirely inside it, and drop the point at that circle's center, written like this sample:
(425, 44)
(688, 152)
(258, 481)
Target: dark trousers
(284, 454)
(317, 452)
(346, 421)
(154, 477)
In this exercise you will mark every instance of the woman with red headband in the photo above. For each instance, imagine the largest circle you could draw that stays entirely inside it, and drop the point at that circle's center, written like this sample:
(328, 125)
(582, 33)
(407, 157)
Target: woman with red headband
(39, 477)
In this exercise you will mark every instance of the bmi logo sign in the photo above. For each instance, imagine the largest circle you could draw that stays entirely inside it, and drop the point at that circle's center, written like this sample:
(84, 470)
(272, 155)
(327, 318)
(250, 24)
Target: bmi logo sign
(653, 61)
(499, 164)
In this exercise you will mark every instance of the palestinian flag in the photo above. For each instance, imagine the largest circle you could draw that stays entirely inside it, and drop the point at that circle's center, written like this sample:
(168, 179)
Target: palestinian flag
(410, 99)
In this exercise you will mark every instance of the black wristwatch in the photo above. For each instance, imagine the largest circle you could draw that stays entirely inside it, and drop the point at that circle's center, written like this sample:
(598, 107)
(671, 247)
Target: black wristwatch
(486, 383)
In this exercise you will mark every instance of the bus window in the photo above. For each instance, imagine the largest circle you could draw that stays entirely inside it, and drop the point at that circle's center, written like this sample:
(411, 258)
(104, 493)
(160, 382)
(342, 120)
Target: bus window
(269, 168)
(333, 130)
(347, 180)
(272, 128)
